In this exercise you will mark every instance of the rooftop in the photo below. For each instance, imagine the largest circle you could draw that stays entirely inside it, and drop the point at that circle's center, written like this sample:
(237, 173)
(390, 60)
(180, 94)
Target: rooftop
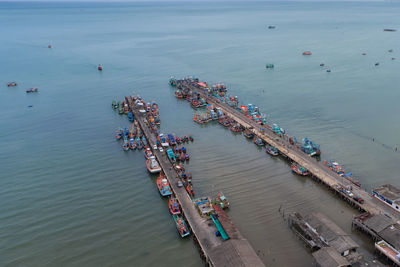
(332, 233)
(329, 257)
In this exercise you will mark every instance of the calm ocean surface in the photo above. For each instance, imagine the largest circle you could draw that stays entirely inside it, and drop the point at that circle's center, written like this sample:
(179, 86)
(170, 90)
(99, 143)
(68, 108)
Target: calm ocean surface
(71, 197)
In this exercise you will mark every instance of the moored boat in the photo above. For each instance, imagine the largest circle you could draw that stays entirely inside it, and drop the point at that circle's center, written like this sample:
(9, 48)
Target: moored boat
(163, 186)
(222, 201)
(272, 150)
(174, 206)
(125, 146)
(258, 141)
(147, 153)
(299, 169)
(181, 225)
(152, 165)
(248, 134)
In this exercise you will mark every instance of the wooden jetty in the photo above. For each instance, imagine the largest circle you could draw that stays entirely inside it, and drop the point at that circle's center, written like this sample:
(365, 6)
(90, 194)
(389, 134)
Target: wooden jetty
(319, 172)
(235, 251)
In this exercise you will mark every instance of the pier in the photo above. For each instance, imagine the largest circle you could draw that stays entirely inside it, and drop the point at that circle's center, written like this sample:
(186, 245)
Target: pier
(319, 172)
(236, 251)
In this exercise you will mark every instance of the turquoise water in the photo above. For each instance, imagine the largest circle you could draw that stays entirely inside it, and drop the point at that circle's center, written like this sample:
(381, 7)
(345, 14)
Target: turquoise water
(71, 196)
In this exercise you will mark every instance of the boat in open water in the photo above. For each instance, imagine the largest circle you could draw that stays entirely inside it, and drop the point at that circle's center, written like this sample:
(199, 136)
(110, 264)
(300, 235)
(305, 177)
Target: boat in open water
(183, 230)
(152, 165)
(299, 169)
(174, 206)
(163, 186)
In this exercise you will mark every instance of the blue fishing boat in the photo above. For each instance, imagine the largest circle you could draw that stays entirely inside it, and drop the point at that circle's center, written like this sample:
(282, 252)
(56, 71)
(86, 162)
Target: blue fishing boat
(132, 144)
(183, 230)
(248, 134)
(171, 140)
(310, 147)
(131, 117)
(258, 141)
(272, 150)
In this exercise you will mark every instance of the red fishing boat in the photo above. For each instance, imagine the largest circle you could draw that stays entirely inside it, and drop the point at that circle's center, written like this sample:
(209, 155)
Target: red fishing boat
(174, 206)
(299, 169)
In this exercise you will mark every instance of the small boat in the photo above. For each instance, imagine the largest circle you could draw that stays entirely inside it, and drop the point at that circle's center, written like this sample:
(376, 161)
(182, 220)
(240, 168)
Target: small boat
(132, 144)
(50, 46)
(181, 225)
(163, 186)
(119, 134)
(33, 90)
(182, 157)
(114, 104)
(139, 144)
(147, 153)
(191, 138)
(389, 30)
(307, 53)
(377, 64)
(272, 150)
(248, 134)
(100, 67)
(269, 66)
(152, 165)
(271, 27)
(322, 64)
(222, 201)
(258, 141)
(328, 70)
(12, 84)
(187, 157)
(299, 169)
(174, 206)
(125, 146)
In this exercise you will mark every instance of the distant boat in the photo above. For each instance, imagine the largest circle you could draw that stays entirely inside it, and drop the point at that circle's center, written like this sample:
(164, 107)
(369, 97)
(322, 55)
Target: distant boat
(271, 27)
(181, 225)
(49, 46)
(152, 165)
(12, 84)
(33, 90)
(307, 53)
(389, 30)
(100, 67)
(163, 186)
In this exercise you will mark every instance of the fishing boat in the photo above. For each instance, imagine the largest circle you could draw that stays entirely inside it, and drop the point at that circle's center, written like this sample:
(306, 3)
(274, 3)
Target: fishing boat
(139, 144)
(174, 206)
(181, 225)
(172, 81)
(125, 146)
(258, 141)
(119, 134)
(236, 127)
(12, 84)
(248, 134)
(310, 147)
(187, 157)
(171, 140)
(130, 116)
(163, 186)
(100, 67)
(147, 153)
(182, 157)
(222, 201)
(272, 150)
(152, 165)
(307, 53)
(171, 155)
(299, 169)
(132, 144)
(114, 104)
(33, 90)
